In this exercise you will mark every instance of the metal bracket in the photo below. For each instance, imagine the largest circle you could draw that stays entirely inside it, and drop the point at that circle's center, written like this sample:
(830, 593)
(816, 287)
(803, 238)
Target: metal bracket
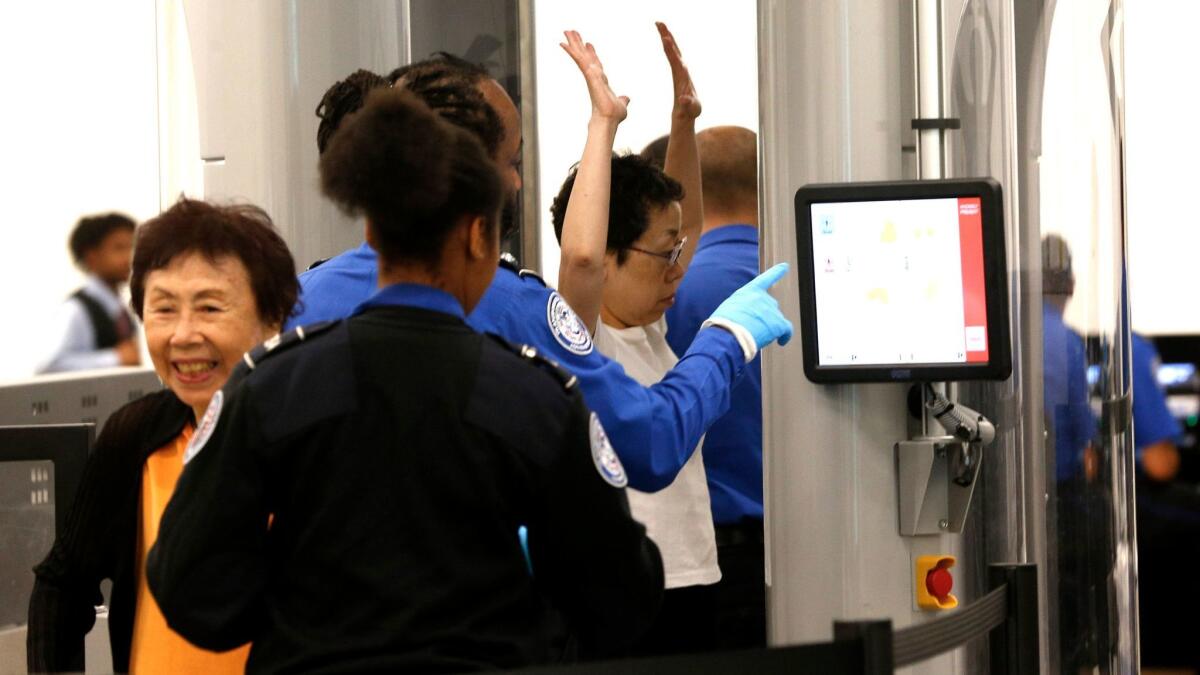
(936, 479)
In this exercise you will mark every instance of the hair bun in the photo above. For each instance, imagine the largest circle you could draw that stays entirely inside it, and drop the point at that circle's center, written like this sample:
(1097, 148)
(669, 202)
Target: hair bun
(410, 172)
(390, 157)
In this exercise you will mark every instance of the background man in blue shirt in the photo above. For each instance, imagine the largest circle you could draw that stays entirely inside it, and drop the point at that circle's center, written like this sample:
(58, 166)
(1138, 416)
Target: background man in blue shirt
(726, 259)
(1155, 430)
(1168, 521)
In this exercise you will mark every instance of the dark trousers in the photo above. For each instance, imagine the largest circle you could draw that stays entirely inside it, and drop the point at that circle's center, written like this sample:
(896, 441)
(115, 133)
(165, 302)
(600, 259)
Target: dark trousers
(741, 595)
(685, 624)
(1168, 542)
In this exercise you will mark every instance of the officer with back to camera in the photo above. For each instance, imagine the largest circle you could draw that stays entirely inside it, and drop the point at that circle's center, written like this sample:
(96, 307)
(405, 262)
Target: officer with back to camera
(352, 498)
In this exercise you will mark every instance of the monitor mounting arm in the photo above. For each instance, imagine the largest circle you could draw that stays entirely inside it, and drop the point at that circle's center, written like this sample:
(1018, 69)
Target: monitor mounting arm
(937, 474)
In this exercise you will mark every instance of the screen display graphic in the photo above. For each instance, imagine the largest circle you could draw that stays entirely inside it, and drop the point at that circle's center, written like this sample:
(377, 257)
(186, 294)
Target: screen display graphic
(899, 282)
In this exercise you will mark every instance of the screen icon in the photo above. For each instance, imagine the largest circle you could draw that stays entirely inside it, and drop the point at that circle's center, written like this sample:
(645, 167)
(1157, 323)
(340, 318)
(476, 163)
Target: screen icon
(976, 338)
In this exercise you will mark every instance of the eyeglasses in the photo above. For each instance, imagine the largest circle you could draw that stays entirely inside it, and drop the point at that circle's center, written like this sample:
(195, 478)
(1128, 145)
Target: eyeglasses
(671, 256)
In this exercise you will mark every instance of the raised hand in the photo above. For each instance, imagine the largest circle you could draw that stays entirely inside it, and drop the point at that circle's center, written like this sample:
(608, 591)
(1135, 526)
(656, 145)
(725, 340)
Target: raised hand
(605, 103)
(687, 103)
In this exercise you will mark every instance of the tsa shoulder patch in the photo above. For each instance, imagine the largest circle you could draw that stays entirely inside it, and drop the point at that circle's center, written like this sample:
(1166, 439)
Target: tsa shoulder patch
(566, 326)
(603, 455)
(204, 430)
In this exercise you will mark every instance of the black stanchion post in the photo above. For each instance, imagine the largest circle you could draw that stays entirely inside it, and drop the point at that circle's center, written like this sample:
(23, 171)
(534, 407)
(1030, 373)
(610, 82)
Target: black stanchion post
(876, 637)
(1014, 645)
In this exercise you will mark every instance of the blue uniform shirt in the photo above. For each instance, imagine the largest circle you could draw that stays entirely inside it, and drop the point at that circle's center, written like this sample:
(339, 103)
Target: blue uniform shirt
(1152, 420)
(725, 260)
(1066, 395)
(333, 289)
(653, 429)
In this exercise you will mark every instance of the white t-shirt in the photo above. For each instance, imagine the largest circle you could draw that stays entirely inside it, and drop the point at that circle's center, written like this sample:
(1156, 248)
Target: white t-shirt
(678, 518)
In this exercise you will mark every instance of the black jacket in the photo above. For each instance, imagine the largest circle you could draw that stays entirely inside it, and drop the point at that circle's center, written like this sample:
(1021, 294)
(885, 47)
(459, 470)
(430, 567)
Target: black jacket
(99, 540)
(399, 453)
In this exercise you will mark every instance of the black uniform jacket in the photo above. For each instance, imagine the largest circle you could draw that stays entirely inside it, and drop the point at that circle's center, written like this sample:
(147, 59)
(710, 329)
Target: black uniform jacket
(99, 540)
(396, 455)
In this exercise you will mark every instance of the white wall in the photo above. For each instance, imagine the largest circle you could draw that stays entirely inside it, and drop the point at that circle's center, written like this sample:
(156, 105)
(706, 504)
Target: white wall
(80, 129)
(718, 40)
(1162, 164)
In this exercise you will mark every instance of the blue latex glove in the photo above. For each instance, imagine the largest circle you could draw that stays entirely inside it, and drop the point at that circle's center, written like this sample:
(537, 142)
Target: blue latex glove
(753, 308)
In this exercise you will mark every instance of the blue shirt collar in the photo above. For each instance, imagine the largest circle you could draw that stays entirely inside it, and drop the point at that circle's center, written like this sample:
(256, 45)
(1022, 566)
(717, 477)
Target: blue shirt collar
(365, 252)
(413, 295)
(730, 233)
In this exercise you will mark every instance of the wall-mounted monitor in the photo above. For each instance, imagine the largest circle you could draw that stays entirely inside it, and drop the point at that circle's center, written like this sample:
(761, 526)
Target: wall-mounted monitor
(903, 281)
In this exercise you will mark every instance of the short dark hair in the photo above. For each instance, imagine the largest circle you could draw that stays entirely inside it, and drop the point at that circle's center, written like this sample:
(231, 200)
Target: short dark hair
(655, 151)
(411, 173)
(637, 186)
(449, 85)
(343, 98)
(243, 231)
(91, 231)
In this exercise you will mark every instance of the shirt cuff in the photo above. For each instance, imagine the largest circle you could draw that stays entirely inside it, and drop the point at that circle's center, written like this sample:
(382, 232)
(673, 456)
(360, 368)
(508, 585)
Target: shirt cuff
(743, 336)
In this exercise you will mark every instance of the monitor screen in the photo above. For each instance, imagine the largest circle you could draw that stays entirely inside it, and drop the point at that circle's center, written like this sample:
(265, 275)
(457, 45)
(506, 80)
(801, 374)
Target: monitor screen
(40, 470)
(27, 508)
(898, 281)
(1176, 374)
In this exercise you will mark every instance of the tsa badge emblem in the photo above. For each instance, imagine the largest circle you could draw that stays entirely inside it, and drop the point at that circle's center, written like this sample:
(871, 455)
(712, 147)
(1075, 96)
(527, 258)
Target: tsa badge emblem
(205, 429)
(567, 327)
(607, 462)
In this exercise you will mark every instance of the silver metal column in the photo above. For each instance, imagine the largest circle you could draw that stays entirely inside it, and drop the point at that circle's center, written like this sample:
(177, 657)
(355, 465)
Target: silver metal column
(836, 97)
(261, 69)
(834, 107)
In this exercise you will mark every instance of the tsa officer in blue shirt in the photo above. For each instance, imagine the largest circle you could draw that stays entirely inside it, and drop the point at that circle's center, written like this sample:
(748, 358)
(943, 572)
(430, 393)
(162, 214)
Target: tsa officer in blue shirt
(1068, 410)
(669, 416)
(1155, 430)
(726, 259)
(1168, 520)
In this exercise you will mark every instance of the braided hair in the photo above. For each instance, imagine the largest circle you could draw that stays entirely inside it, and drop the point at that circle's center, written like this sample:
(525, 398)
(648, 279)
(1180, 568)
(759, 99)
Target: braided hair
(449, 85)
(342, 99)
(411, 173)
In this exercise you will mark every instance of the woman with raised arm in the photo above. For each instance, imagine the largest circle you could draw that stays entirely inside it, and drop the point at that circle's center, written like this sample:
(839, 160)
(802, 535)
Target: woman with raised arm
(628, 232)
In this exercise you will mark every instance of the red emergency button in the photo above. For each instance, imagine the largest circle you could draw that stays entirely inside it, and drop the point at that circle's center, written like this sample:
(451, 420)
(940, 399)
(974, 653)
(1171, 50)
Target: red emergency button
(939, 582)
(934, 582)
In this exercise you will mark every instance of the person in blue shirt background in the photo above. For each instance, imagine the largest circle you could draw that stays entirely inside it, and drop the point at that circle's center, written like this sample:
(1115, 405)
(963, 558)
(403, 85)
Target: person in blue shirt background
(1068, 411)
(669, 416)
(726, 259)
(1155, 430)
(1168, 521)
(1076, 520)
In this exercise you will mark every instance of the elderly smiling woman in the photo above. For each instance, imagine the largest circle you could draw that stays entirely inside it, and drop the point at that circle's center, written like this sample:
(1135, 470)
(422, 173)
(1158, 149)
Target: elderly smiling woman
(209, 283)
